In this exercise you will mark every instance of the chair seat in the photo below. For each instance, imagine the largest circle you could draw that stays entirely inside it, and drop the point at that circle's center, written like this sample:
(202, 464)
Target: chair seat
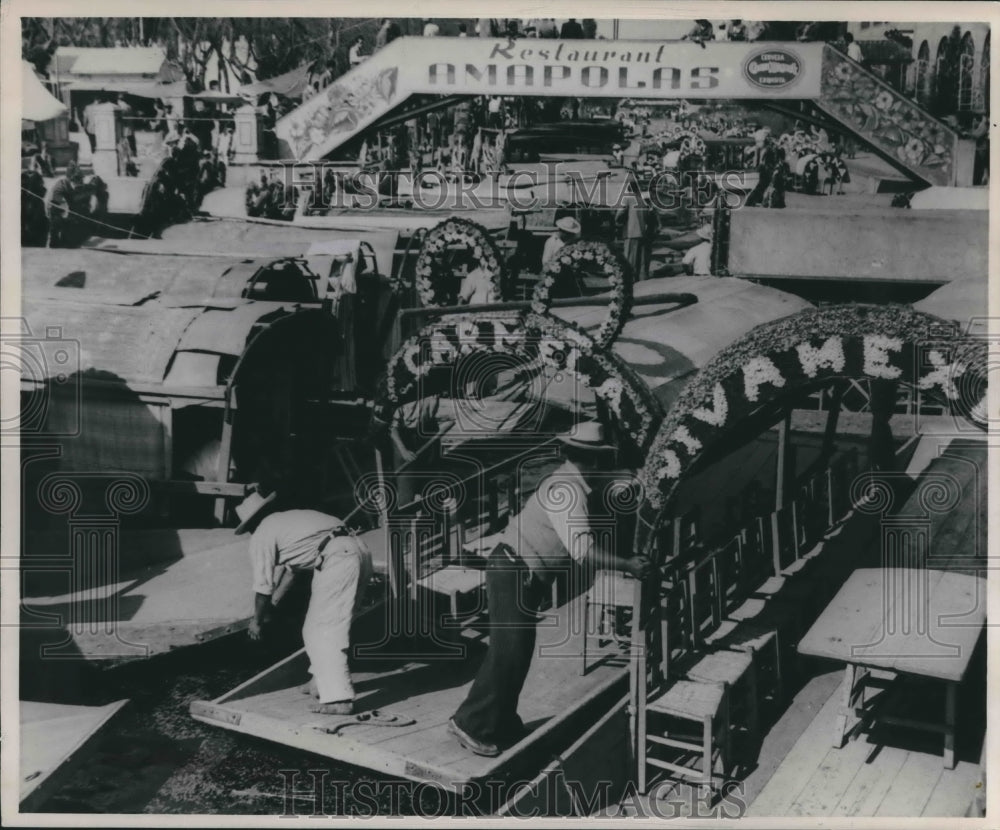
(612, 588)
(721, 667)
(742, 636)
(785, 586)
(689, 699)
(453, 579)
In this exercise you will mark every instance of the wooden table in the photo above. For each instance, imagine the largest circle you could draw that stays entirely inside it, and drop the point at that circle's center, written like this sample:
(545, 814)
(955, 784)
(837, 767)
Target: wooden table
(919, 622)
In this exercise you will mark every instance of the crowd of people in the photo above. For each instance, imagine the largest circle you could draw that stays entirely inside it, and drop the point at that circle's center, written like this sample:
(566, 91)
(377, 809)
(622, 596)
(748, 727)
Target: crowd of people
(60, 214)
(175, 192)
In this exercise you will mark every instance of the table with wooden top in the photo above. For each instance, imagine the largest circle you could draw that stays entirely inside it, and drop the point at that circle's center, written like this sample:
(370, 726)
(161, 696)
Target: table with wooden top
(919, 622)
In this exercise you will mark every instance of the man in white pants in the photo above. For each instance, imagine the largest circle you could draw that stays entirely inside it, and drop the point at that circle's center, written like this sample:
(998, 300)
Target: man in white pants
(286, 542)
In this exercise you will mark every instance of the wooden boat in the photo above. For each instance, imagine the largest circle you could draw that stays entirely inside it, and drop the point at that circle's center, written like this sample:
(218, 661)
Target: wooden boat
(666, 345)
(55, 739)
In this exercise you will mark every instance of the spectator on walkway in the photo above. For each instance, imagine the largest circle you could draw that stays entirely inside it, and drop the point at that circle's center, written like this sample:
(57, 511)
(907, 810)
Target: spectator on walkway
(853, 49)
(737, 30)
(463, 30)
(701, 32)
(571, 30)
(589, 28)
(126, 114)
(547, 28)
(87, 121)
(387, 33)
(354, 56)
(58, 205)
(42, 162)
(431, 29)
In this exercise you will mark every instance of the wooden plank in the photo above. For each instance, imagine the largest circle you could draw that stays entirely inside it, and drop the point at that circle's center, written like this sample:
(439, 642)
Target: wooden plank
(832, 778)
(268, 706)
(54, 740)
(912, 788)
(798, 766)
(871, 784)
(953, 792)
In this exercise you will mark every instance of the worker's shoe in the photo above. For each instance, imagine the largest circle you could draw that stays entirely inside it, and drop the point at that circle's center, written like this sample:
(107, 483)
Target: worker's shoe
(337, 707)
(470, 743)
(309, 688)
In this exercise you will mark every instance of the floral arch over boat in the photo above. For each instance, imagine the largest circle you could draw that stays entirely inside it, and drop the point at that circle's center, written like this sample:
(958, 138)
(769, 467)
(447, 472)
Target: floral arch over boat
(801, 351)
(425, 363)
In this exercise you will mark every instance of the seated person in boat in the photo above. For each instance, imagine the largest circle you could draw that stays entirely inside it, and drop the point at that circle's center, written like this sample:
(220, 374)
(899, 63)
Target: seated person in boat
(287, 541)
(522, 560)
(567, 231)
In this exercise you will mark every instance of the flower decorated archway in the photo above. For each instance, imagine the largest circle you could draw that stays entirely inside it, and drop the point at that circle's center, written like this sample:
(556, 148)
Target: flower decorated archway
(797, 353)
(425, 365)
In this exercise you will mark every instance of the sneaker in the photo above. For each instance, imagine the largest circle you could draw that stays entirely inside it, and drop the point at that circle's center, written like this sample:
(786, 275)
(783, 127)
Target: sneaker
(470, 743)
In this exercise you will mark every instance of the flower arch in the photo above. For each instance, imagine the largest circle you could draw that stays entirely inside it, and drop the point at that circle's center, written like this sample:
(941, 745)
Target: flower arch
(799, 352)
(426, 363)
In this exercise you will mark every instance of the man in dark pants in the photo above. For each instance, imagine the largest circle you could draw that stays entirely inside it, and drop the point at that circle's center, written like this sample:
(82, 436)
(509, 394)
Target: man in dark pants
(551, 531)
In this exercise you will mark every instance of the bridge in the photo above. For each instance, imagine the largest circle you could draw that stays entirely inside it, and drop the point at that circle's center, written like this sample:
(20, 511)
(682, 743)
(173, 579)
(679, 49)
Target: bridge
(415, 74)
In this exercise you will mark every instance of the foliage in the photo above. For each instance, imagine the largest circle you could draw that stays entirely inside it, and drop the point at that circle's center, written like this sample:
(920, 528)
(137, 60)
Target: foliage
(245, 47)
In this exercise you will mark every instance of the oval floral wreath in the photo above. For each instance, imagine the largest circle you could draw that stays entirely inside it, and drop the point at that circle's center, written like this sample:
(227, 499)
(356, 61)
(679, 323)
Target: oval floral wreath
(570, 259)
(430, 267)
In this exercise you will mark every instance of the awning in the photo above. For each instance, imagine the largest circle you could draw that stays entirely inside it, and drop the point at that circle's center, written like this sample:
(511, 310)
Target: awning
(291, 84)
(37, 103)
(141, 89)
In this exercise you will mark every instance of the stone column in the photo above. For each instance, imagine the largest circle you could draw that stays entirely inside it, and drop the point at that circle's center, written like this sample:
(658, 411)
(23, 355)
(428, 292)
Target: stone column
(245, 137)
(107, 133)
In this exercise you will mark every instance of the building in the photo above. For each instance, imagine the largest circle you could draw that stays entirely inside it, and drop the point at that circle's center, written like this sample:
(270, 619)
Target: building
(943, 66)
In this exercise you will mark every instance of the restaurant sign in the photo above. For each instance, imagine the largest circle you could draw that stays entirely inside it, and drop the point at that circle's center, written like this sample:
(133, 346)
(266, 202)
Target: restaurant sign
(651, 69)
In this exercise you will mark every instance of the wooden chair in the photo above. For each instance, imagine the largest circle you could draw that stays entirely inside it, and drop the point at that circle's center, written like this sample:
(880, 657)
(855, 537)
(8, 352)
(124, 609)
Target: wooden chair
(613, 592)
(670, 716)
(436, 566)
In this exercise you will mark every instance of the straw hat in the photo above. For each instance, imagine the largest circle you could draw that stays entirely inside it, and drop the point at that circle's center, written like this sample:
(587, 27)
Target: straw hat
(588, 435)
(705, 232)
(568, 224)
(248, 509)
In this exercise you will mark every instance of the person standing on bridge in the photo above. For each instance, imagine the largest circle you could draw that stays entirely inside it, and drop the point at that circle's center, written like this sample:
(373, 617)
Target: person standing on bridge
(286, 542)
(354, 56)
(545, 538)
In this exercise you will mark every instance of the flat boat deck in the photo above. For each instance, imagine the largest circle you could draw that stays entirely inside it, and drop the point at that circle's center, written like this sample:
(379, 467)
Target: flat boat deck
(428, 689)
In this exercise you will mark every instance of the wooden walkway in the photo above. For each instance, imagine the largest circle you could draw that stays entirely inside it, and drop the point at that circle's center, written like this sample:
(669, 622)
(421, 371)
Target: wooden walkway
(429, 689)
(895, 776)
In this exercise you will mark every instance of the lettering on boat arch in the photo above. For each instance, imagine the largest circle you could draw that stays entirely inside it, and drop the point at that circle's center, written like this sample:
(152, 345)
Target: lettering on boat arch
(805, 350)
(424, 365)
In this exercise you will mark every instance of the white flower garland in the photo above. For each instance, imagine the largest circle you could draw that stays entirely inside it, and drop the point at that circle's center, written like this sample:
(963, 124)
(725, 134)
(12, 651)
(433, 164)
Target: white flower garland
(569, 259)
(830, 355)
(758, 371)
(876, 350)
(455, 231)
(716, 416)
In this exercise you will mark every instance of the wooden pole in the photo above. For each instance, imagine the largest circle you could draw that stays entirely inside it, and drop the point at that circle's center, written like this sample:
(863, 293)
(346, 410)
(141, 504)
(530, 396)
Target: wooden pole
(572, 302)
(833, 414)
(782, 465)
